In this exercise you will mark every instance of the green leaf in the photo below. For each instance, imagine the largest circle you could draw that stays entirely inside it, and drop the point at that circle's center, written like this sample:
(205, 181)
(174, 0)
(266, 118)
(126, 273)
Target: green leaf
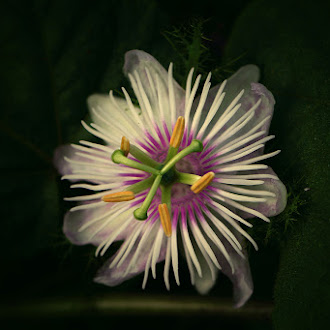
(290, 43)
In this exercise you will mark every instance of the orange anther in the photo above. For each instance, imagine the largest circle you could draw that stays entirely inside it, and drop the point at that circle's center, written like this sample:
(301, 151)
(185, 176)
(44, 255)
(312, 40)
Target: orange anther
(121, 196)
(177, 134)
(202, 183)
(165, 219)
(125, 145)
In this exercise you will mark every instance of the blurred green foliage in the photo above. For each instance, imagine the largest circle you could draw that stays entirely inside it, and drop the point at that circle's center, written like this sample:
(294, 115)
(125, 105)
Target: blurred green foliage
(289, 41)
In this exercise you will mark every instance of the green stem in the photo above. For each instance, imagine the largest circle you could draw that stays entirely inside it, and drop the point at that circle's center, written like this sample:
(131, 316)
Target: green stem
(118, 157)
(142, 157)
(187, 178)
(195, 146)
(141, 212)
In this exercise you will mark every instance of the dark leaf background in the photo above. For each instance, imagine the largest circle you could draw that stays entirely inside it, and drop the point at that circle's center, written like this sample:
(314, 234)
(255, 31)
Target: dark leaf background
(56, 53)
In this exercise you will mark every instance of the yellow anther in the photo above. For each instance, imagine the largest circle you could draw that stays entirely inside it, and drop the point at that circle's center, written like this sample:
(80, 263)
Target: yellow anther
(165, 219)
(202, 183)
(125, 145)
(122, 196)
(177, 134)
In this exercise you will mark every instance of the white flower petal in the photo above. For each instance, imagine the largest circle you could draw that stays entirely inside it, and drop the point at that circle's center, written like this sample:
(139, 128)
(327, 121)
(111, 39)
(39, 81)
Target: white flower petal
(244, 79)
(82, 226)
(205, 283)
(148, 69)
(78, 161)
(274, 204)
(114, 115)
(241, 278)
(128, 269)
(239, 81)
(238, 271)
(62, 166)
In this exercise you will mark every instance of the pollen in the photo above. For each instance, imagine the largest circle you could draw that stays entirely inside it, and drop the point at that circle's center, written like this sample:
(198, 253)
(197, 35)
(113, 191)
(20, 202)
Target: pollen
(202, 183)
(177, 134)
(165, 219)
(125, 145)
(122, 196)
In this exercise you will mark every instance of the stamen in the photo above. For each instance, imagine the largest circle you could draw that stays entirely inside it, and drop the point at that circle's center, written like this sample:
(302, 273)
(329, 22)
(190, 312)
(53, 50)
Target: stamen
(118, 157)
(142, 157)
(177, 134)
(176, 138)
(165, 219)
(202, 183)
(125, 146)
(187, 178)
(122, 196)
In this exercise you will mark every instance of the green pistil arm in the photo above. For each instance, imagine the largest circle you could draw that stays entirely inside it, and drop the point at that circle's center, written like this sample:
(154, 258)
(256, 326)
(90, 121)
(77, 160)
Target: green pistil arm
(141, 212)
(118, 157)
(141, 186)
(187, 178)
(142, 157)
(195, 146)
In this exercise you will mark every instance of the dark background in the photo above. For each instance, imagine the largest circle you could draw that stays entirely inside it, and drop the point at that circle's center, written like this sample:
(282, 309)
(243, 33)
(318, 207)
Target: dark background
(53, 54)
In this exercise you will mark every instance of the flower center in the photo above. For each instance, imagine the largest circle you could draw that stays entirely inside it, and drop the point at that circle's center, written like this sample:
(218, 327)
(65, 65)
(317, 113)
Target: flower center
(169, 177)
(175, 169)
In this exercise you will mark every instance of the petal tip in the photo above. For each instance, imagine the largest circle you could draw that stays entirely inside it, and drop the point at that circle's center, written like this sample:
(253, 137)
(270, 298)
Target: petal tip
(262, 91)
(69, 232)
(133, 58)
(96, 100)
(203, 287)
(60, 156)
(250, 72)
(243, 289)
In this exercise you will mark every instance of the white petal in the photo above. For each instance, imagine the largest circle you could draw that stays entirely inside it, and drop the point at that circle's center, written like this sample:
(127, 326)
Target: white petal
(135, 262)
(148, 68)
(79, 161)
(241, 80)
(79, 226)
(205, 283)
(274, 204)
(114, 114)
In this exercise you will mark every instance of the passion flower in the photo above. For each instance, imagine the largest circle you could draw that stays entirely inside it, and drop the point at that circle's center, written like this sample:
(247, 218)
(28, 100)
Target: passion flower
(176, 173)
